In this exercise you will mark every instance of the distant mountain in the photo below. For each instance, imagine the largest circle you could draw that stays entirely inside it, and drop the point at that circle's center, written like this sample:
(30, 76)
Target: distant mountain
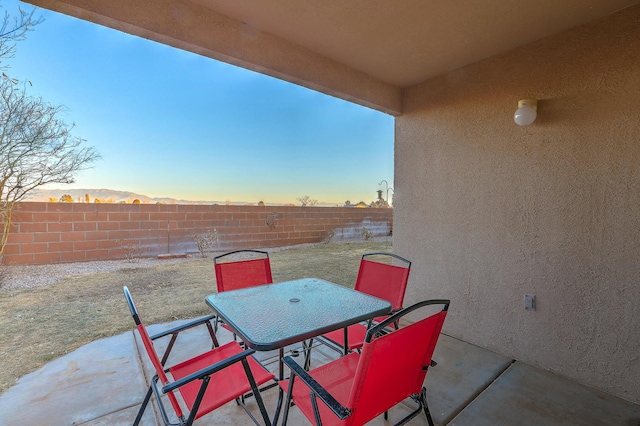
(106, 195)
(113, 196)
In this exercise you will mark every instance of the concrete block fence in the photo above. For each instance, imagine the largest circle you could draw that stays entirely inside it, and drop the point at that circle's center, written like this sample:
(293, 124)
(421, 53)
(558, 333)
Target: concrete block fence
(73, 232)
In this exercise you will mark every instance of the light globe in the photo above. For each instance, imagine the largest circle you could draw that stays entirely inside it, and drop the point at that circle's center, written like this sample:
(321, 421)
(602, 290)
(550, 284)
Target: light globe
(526, 112)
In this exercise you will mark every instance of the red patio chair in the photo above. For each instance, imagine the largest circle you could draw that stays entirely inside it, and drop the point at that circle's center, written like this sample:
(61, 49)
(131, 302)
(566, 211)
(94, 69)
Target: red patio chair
(358, 387)
(241, 269)
(378, 278)
(204, 382)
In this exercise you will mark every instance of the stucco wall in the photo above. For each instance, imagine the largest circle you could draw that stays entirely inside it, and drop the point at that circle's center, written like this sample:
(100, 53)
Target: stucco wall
(489, 211)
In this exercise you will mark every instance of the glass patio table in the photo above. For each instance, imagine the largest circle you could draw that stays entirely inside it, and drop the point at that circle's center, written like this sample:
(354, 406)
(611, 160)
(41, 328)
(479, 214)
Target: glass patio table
(273, 316)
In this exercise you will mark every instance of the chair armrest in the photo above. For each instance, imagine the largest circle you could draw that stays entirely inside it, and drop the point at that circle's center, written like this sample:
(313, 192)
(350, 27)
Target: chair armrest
(379, 328)
(341, 411)
(182, 327)
(207, 371)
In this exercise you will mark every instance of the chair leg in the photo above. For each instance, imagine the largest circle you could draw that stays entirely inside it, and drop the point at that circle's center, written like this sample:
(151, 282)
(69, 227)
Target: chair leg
(256, 393)
(287, 403)
(423, 397)
(143, 407)
(307, 353)
(212, 333)
(333, 345)
(316, 411)
(421, 400)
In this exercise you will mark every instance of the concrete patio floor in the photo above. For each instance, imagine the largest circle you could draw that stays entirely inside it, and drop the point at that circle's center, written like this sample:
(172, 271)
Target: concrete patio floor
(103, 383)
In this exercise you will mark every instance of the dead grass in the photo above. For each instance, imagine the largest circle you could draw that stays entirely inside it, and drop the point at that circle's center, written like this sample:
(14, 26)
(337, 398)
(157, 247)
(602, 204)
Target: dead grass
(41, 324)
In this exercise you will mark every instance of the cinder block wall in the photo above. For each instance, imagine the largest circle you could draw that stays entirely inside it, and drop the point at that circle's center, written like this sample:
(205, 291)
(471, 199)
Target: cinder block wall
(73, 232)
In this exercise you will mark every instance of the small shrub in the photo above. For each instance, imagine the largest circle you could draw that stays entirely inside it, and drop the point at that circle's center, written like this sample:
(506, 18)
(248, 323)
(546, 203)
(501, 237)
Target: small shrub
(329, 236)
(366, 233)
(272, 221)
(132, 252)
(206, 241)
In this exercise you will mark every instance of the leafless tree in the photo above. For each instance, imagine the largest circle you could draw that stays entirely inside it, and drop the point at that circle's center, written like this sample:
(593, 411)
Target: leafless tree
(14, 29)
(36, 145)
(36, 148)
(306, 201)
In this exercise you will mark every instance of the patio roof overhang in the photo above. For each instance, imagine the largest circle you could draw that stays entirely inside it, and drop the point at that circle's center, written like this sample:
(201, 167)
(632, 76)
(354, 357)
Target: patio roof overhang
(361, 51)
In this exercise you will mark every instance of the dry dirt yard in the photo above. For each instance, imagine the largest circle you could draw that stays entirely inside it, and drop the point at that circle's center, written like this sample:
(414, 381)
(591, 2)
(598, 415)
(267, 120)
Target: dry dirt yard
(32, 276)
(50, 310)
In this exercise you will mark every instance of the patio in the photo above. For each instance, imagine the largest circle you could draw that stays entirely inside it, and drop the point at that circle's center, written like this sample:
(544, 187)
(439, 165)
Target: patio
(490, 211)
(103, 383)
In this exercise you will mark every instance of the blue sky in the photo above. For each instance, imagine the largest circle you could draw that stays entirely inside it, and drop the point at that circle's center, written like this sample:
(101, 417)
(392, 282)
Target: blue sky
(170, 123)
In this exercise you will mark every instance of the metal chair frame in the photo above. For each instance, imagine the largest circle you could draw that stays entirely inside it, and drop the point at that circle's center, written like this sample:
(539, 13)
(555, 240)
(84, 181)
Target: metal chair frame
(268, 279)
(220, 275)
(204, 374)
(353, 336)
(358, 371)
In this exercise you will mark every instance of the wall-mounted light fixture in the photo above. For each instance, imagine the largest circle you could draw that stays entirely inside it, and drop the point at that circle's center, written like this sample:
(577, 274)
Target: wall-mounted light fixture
(526, 113)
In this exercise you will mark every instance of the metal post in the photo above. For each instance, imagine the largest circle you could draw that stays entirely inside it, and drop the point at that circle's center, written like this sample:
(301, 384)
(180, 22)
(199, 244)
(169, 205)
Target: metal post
(388, 205)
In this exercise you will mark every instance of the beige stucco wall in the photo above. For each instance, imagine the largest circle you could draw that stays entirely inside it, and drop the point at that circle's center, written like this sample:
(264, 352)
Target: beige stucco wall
(489, 211)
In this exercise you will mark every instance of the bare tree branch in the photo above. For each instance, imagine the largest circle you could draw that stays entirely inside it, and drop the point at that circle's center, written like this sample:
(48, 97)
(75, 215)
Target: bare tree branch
(307, 201)
(36, 148)
(13, 30)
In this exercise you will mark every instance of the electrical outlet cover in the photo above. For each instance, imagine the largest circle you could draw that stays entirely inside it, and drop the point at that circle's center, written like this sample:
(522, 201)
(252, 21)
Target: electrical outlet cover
(530, 302)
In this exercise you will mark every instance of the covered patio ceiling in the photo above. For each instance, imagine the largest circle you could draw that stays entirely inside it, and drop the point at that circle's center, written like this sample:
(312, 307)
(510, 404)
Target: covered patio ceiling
(364, 51)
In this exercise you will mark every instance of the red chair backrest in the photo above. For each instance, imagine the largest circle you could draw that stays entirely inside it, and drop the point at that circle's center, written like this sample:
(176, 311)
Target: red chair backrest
(151, 352)
(393, 367)
(383, 280)
(242, 273)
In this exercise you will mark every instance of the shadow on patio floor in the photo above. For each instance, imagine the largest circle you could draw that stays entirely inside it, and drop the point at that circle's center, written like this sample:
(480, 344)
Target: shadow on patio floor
(103, 383)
